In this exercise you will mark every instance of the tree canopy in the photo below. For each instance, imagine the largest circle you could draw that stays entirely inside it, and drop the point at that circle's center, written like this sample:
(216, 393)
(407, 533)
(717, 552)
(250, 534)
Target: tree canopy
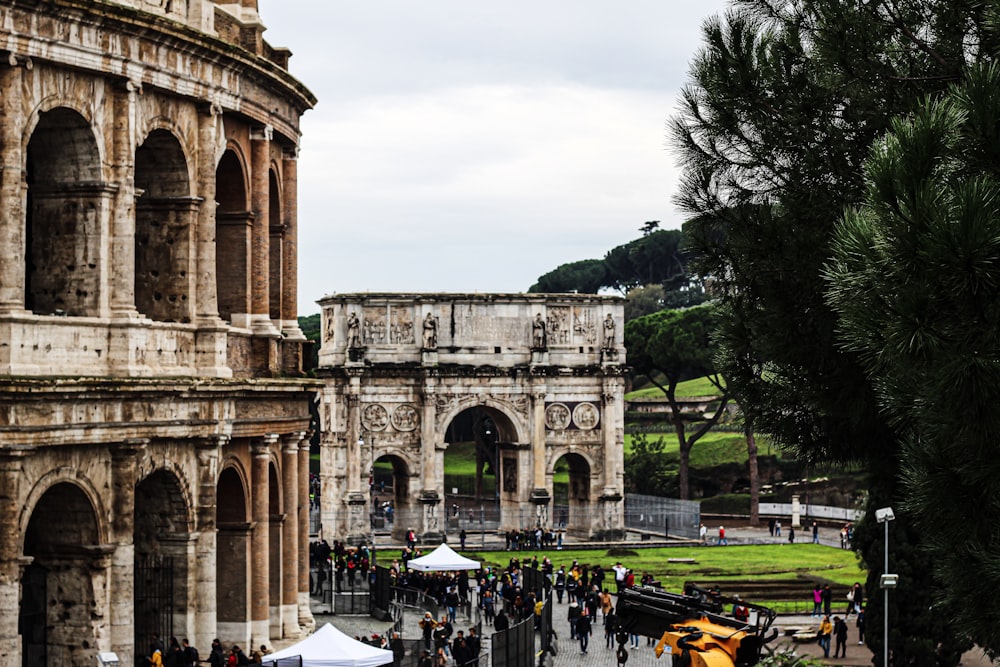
(678, 345)
(784, 101)
(916, 282)
(655, 258)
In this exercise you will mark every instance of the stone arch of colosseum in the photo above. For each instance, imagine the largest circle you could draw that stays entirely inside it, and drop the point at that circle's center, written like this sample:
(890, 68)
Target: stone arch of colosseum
(510, 380)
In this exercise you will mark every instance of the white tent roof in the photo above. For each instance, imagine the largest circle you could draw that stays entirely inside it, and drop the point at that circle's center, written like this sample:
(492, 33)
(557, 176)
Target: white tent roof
(443, 559)
(329, 647)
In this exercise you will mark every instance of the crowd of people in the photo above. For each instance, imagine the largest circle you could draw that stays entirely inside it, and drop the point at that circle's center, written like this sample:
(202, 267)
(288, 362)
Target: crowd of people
(182, 654)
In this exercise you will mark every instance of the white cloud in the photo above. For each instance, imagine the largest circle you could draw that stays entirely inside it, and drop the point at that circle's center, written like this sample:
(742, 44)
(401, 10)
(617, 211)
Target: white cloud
(474, 146)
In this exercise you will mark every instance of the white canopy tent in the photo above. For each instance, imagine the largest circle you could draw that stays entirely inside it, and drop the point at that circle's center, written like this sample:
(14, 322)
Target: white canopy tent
(329, 647)
(443, 559)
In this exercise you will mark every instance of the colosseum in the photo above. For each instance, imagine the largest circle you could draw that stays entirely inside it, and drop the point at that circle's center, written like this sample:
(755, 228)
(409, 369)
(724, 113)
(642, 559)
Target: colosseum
(153, 411)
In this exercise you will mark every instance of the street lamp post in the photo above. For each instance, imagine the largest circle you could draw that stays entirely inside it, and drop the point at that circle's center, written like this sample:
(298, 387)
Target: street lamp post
(886, 581)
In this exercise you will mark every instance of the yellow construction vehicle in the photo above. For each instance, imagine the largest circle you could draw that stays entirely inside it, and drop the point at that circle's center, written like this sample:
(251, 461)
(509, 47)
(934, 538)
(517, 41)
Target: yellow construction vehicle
(692, 627)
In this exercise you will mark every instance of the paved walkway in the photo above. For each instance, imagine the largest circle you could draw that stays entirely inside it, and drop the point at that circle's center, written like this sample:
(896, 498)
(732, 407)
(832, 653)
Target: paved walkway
(598, 655)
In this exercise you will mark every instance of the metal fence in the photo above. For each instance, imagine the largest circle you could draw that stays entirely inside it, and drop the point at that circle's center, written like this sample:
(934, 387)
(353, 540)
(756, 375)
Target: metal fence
(515, 646)
(651, 515)
(846, 514)
(663, 516)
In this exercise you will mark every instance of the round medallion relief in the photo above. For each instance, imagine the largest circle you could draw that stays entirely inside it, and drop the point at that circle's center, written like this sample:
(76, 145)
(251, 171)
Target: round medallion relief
(586, 416)
(374, 417)
(405, 418)
(557, 416)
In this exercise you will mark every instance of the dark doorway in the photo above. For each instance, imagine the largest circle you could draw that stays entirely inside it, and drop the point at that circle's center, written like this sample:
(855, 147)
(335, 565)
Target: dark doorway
(31, 623)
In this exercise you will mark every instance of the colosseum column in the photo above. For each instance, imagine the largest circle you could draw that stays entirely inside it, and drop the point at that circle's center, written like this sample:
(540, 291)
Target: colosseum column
(211, 335)
(11, 190)
(122, 269)
(306, 619)
(290, 535)
(289, 249)
(260, 623)
(208, 451)
(260, 256)
(539, 494)
(124, 473)
(11, 504)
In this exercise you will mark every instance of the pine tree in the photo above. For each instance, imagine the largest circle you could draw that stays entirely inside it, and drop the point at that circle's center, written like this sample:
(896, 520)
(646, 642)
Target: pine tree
(916, 282)
(785, 100)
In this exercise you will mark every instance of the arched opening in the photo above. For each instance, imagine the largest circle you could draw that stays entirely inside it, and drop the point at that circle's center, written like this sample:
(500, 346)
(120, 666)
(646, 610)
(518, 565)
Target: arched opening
(64, 582)
(480, 469)
(571, 509)
(274, 562)
(66, 205)
(162, 560)
(391, 511)
(164, 224)
(233, 220)
(232, 574)
(275, 241)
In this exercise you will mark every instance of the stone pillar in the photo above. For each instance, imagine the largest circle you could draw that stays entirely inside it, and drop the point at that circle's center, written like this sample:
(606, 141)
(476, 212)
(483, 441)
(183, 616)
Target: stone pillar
(428, 437)
(430, 496)
(124, 474)
(290, 536)
(612, 431)
(612, 417)
(540, 497)
(290, 247)
(124, 144)
(11, 503)
(260, 251)
(260, 541)
(12, 194)
(211, 337)
(306, 619)
(356, 500)
(209, 453)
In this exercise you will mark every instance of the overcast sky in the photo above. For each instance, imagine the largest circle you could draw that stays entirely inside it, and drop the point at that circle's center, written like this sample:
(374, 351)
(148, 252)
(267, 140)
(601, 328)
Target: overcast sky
(471, 146)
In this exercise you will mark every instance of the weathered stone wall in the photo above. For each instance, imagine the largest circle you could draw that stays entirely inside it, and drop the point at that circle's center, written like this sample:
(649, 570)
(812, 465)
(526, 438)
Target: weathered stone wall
(142, 431)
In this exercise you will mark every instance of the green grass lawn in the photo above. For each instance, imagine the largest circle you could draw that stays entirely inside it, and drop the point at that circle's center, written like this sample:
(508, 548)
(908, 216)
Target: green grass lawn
(713, 448)
(713, 564)
(689, 389)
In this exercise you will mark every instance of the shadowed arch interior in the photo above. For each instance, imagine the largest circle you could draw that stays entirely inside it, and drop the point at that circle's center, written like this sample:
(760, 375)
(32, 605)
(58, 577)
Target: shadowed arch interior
(65, 205)
(232, 579)
(480, 438)
(162, 528)
(233, 220)
(164, 226)
(63, 581)
(571, 493)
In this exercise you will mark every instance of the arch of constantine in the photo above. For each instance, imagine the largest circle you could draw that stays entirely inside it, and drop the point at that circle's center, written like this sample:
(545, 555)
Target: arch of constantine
(153, 410)
(529, 380)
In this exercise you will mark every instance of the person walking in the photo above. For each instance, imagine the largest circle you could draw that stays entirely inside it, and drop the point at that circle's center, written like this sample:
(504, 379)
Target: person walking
(860, 625)
(817, 601)
(583, 629)
(823, 636)
(815, 528)
(610, 620)
(573, 616)
(840, 636)
(427, 625)
(827, 599)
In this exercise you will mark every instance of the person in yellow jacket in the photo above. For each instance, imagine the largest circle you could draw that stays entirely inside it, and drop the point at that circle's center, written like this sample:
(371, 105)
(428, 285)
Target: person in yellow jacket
(155, 660)
(823, 636)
